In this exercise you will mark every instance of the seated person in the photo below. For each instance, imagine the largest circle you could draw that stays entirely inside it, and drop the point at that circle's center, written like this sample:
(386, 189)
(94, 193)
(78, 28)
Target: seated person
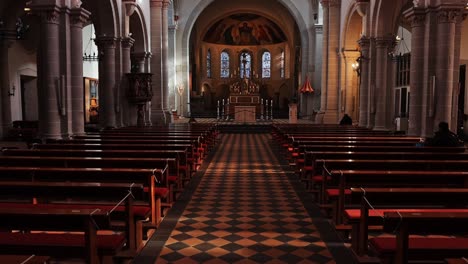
(444, 137)
(346, 120)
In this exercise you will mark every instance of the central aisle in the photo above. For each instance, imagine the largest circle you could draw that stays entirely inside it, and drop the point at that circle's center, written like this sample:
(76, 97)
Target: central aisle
(244, 211)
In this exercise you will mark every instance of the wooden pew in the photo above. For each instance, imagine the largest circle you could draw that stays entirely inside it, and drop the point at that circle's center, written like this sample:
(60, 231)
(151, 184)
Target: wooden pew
(311, 174)
(348, 179)
(147, 177)
(367, 205)
(456, 261)
(158, 157)
(186, 168)
(109, 197)
(50, 244)
(24, 259)
(403, 247)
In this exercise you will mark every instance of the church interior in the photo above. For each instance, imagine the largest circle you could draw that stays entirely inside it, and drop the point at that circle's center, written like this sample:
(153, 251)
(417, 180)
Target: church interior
(248, 131)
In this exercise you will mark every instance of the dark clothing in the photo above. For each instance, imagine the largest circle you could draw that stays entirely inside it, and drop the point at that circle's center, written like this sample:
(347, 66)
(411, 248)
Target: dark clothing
(444, 139)
(346, 120)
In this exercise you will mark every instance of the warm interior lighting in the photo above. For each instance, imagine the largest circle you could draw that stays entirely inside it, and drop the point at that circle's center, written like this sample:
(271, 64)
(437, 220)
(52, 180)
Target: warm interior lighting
(93, 102)
(27, 9)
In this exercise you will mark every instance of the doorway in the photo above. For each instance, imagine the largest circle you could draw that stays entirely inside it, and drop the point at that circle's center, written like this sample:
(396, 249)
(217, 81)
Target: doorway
(29, 101)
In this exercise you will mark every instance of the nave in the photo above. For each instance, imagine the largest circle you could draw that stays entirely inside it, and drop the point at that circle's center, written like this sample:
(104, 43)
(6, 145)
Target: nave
(243, 208)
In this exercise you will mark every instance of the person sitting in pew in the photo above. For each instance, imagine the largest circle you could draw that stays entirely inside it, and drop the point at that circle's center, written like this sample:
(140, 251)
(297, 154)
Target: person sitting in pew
(444, 137)
(346, 120)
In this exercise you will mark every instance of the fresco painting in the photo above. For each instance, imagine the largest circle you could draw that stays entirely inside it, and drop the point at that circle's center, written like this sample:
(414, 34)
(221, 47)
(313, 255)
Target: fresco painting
(245, 29)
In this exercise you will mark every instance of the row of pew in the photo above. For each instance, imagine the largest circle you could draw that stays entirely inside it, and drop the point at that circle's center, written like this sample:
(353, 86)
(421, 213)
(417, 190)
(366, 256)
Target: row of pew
(97, 196)
(411, 198)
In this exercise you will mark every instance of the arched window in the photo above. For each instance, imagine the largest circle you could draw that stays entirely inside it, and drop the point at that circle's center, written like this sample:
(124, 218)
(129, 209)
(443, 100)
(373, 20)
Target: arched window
(208, 64)
(266, 64)
(282, 64)
(245, 61)
(224, 64)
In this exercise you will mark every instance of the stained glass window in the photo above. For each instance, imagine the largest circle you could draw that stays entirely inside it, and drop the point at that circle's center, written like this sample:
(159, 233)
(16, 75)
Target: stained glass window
(245, 61)
(282, 64)
(224, 64)
(266, 64)
(208, 64)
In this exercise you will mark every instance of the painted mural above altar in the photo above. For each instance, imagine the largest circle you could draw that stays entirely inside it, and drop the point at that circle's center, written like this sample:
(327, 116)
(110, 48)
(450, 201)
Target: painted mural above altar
(245, 29)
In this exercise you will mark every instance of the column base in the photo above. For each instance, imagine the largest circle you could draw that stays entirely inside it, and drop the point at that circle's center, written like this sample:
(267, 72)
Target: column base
(160, 117)
(331, 117)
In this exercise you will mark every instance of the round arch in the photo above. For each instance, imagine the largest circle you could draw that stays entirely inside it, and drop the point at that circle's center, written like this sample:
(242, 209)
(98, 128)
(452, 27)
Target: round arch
(139, 31)
(106, 18)
(305, 35)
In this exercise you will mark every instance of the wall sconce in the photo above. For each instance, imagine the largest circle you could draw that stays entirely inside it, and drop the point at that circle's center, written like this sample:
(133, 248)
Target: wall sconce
(356, 66)
(11, 92)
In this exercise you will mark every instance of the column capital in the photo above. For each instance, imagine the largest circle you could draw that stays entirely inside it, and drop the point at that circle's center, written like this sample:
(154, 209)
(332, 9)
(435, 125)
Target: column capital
(329, 3)
(166, 4)
(445, 15)
(141, 55)
(105, 42)
(385, 42)
(127, 42)
(79, 16)
(49, 14)
(416, 16)
(172, 28)
(156, 3)
(364, 42)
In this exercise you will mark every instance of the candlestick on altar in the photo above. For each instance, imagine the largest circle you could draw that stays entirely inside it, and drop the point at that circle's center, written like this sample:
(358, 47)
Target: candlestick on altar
(217, 111)
(271, 109)
(222, 115)
(261, 109)
(227, 110)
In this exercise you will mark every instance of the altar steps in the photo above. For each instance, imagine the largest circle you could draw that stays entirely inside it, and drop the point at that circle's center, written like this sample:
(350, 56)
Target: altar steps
(253, 128)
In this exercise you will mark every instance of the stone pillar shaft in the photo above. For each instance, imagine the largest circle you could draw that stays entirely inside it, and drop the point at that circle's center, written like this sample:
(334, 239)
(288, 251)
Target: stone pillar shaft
(323, 93)
(157, 115)
(381, 91)
(446, 29)
(127, 114)
(164, 56)
(51, 86)
(332, 70)
(364, 82)
(107, 82)
(5, 86)
(78, 17)
(417, 18)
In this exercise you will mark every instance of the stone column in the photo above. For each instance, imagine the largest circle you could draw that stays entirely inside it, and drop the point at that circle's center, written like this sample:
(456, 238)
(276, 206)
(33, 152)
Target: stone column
(5, 85)
(324, 84)
(78, 16)
(364, 110)
(157, 115)
(417, 17)
(350, 84)
(172, 68)
(107, 83)
(164, 60)
(127, 114)
(381, 90)
(445, 63)
(332, 61)
(50, 87)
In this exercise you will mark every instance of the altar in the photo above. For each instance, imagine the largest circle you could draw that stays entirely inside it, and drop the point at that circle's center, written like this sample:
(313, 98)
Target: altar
(244, 103)
(245, 114)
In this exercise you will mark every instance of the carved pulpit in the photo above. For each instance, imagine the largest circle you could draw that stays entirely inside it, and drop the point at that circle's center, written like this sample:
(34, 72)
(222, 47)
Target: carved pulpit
(139, 92)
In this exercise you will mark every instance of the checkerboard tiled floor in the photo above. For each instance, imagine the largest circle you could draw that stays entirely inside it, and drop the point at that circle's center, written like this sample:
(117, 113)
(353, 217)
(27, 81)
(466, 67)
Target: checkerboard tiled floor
(244, 211)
